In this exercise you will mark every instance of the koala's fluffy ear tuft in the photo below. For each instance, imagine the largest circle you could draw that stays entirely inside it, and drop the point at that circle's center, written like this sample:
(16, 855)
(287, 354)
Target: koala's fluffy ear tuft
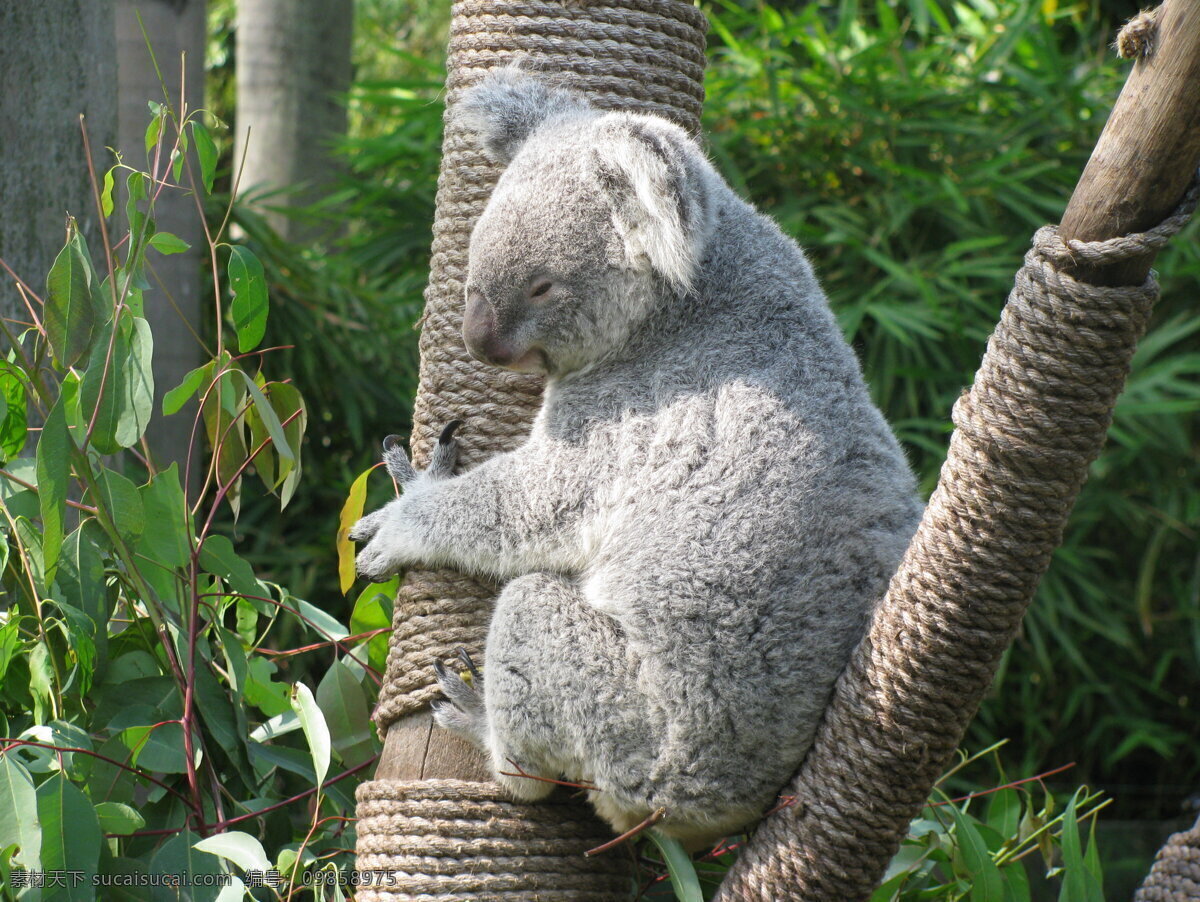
(660, 187)
(509, 104)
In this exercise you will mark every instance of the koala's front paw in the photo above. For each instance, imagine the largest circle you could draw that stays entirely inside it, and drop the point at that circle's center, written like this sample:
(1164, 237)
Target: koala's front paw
(441, 461)
(462, 710)
(386, 532)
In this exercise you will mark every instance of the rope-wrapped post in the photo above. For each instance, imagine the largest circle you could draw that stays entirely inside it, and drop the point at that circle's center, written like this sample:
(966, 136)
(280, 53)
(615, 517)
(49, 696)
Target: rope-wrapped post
(431, 824)
(1026, 432)
(1175, 876)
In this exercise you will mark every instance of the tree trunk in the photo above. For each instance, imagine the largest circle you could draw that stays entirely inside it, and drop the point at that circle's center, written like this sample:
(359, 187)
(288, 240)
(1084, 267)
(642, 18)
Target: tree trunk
(56, 62)
(293, 68)
(173, 305)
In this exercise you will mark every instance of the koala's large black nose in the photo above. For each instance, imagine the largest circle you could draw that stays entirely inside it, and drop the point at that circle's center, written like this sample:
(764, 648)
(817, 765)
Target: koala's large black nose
(480, 332)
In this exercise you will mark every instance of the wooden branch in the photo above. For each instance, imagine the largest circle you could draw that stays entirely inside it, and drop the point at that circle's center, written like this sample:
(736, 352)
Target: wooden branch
(1147, 154)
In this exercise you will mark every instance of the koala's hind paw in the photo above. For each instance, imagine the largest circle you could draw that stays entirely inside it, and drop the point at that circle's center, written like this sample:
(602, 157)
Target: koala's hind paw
(463, 709)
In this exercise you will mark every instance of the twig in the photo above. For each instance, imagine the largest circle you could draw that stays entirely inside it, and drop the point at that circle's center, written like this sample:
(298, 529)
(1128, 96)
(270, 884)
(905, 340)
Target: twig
(654, 817)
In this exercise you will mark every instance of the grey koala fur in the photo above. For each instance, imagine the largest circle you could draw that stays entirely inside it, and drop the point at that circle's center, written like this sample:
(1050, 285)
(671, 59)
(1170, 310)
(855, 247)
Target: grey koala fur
(708, 505)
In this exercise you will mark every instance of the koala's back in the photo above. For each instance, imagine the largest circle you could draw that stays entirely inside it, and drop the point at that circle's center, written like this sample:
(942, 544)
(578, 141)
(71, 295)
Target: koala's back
(750, 504)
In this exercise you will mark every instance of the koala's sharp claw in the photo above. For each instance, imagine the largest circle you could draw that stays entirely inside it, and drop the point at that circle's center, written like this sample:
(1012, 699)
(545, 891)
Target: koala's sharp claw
(467, 662)
(445, 452)
(391, 442)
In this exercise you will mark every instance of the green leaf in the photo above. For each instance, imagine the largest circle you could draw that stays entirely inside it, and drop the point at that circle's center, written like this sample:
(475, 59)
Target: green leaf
(326, 625)
(206, 150)
(120, 392)
(312, 721)
(242, 849)
(117, 817)
(70, 836)
(352, 512)
(168, 544)
(1079, 883)
(106, 195)
(679, 867)
(1004, 812)
(139, 224)
(166, 243)
(70, 313)
(289, 407)
(344, 704)
(153, 130)
(14, 427)
(54, 473)
(268, 418)
(249, 308)
(156, 746)
(192, 382)
(199, 872)
(987, 884)
(218, 558)
(20, 825)
(120, 498)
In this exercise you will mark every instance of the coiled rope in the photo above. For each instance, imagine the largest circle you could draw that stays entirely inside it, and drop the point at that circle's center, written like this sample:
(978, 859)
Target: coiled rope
(1026, 433)
(457, 839)
(1175, 876)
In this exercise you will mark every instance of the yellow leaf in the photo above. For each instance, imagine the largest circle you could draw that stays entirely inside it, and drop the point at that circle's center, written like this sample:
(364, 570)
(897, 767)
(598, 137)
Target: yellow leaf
(352, 511)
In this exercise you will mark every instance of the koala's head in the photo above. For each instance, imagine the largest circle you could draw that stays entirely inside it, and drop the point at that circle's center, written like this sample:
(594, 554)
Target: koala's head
(597, 218)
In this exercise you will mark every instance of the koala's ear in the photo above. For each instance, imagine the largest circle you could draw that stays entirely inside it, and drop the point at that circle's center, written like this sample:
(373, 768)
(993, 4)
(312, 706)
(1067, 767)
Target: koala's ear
(660, 187)
(509, 104)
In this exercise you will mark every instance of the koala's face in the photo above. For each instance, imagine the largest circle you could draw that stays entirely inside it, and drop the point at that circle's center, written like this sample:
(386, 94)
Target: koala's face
(548, 285)
(598, 217)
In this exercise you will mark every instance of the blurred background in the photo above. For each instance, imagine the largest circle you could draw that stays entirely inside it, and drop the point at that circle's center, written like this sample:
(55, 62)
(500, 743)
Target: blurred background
(911, 146)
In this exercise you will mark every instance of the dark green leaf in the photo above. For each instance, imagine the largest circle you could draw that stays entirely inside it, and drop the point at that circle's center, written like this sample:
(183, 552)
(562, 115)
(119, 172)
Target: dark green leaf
(986, 883)
(13, 428)
(54, 473)
(70, 316)
(119, 497)
(19, 802)
(120, 392)
(70, 836)
(218, 558)
(168, 543)
(192, 383)
(344, 704)
(249, 309)
(197, 871)
(117, 817)
(206, 150)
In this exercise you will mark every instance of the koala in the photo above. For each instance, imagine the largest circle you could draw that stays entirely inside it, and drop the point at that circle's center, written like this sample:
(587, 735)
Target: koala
(708, 506)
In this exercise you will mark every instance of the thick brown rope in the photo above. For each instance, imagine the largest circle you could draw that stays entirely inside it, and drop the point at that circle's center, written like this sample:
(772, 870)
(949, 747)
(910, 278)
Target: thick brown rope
(642, 55)
(1026, 432)
(1175, 876)
(446, 840)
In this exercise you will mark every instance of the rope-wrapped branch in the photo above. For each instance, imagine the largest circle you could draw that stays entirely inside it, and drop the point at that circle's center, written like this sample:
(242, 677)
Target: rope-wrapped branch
(1175, 876)
(1026, 433)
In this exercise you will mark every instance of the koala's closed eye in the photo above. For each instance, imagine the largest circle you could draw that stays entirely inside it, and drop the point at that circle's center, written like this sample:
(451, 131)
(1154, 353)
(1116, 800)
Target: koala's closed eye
(541, 289)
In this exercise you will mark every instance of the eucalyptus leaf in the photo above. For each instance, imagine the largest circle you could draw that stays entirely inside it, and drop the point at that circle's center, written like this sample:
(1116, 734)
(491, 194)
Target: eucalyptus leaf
(249, 308)
(312, 721)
